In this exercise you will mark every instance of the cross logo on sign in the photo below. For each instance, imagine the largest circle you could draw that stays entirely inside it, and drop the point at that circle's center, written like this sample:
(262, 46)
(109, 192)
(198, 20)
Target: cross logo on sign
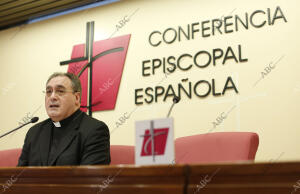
(157, 138)
(99, 66)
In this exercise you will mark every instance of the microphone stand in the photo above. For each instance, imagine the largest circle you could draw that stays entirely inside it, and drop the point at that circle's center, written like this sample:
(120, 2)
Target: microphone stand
(33, 120)
(176, 99)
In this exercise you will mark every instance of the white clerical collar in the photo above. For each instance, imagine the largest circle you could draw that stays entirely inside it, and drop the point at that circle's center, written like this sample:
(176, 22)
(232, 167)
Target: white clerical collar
(57, 124)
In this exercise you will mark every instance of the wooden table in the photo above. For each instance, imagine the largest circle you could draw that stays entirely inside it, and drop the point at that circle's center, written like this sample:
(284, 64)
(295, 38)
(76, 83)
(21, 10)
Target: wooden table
(237, 178)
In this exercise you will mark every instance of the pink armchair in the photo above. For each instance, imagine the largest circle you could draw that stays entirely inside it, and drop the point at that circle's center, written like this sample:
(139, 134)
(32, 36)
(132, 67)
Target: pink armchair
(9, 158)
(216, 147)
(122, 154)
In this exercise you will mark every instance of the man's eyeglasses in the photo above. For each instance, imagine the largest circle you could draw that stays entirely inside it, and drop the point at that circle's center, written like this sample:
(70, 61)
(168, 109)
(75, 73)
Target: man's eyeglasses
(59, 92)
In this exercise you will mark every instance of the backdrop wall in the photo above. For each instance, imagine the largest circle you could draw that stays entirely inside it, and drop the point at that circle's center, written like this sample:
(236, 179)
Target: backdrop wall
(254, 84)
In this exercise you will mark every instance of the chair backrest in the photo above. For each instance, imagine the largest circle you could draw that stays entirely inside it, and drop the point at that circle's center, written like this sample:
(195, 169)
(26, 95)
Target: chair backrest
(216, 147)
(204, 148)
(9, 158)
(121, 154)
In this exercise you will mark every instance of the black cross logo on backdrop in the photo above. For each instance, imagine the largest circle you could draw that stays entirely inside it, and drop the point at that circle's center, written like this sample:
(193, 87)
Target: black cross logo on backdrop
(89, 57)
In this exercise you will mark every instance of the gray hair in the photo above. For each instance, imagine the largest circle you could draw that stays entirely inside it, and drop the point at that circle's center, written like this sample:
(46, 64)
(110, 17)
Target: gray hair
(75, 81)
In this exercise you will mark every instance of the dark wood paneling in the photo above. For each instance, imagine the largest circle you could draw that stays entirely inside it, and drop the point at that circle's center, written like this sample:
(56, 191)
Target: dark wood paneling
(22, 8)
(261, 178)
(90, 179)
(246, 178)
(19, 11)
(4, 2)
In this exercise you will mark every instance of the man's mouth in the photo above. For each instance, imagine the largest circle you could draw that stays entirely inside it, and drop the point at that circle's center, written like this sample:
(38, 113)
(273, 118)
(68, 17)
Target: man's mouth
(54, 106)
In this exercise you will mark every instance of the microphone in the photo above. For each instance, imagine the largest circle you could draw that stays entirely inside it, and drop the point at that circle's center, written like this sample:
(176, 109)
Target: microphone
(32, 120)
(176, 99)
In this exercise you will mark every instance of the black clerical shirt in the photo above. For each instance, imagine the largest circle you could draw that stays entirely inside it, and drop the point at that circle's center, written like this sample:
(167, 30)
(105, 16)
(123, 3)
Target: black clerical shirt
(57, 133)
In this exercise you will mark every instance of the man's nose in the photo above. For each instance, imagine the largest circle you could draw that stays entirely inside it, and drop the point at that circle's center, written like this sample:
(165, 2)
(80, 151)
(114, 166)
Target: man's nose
(53, 95)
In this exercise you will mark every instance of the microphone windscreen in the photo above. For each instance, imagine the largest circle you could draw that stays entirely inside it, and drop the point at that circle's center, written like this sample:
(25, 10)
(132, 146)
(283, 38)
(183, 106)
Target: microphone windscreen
(34, 119)
(176, 99)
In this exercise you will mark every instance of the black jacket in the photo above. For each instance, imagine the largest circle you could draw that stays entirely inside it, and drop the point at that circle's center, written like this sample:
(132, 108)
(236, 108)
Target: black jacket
(86, 143)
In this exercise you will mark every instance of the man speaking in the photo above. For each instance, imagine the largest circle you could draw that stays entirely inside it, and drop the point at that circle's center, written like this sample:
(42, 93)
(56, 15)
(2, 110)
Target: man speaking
(69, 136)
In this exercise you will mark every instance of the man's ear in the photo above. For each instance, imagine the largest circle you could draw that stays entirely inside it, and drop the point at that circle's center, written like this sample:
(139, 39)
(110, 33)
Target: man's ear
(77, 96)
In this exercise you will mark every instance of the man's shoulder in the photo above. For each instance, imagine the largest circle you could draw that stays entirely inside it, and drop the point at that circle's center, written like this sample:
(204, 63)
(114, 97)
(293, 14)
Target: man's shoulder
(90, 126)
(42, 123)
(37, 127)
(89, 122)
